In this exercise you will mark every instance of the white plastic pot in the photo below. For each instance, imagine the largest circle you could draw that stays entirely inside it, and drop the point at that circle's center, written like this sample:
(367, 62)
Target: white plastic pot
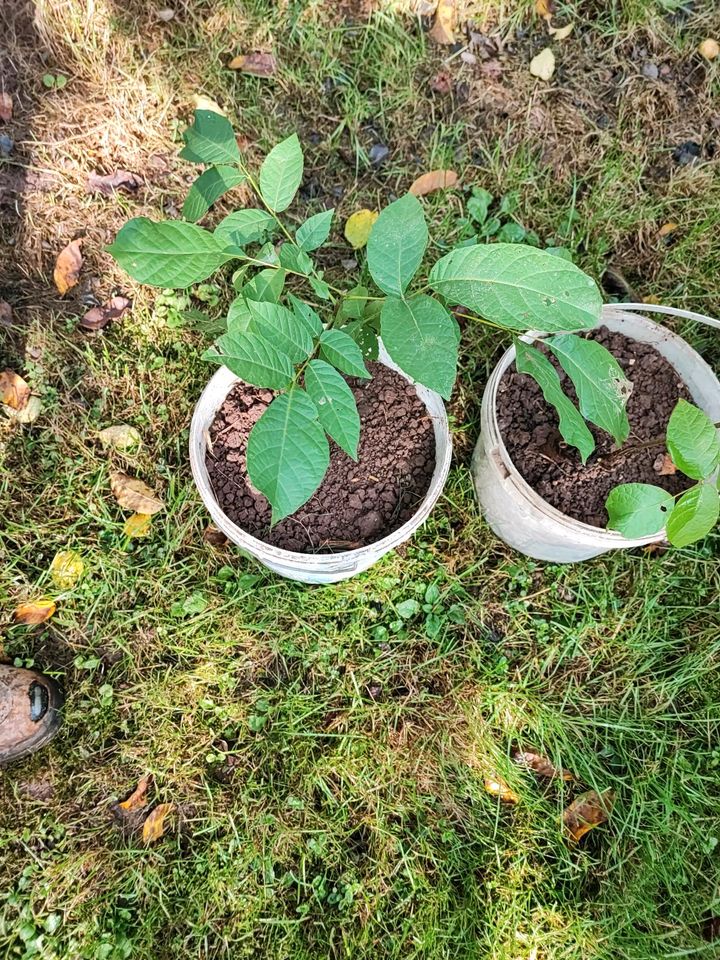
(515, 512)
(313, 567)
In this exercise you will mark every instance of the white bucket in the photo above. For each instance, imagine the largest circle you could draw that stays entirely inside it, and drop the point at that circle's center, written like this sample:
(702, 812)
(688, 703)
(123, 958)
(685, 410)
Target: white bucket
(512, 508)
(313, 567)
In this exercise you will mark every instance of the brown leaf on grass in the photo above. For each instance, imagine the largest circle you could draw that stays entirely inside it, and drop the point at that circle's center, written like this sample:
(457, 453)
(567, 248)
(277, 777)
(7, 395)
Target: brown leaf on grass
(36, 612)
(213, 536)
(499, 788)
(121, 437)
(587, 811)
(133, 494)
(561, 33)
(540, 765)
(137, 800)
(109, 183)
(258, 64)
(98, 317)
(542, 66)
(443, 29)
(545, 8)
(154, 826)
(664, 466)
(666, 229)
(14, 391)
(432, 181)
(6, 107)
(442, 83)
(68, 266)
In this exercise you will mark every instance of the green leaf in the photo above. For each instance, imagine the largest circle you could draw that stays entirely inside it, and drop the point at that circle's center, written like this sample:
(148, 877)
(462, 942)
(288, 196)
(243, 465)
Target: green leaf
(168, 254)
(561, 252)
(306, 315)
(239, 317)
(638, 509)
(573, 428)
(397, 244)
(321, 289)
(288, 453)
(266, 285)
(518, 287)
(419, 335)
(510, 202)
(210, 140)
(245, 226)
(268, 254)
(252, 358)
(296, 260)
(315, 231)
(511, 233)
(281, 174)
(479, 204)
(353, 306)
(279, 326)
(365, 336)
(335, 405)
(208, 188)
(692, 441)
(694, 516)
(342, 352)
(601, 385)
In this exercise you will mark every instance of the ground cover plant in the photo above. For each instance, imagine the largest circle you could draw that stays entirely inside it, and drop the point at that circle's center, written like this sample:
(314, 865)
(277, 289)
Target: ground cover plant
(334, 759)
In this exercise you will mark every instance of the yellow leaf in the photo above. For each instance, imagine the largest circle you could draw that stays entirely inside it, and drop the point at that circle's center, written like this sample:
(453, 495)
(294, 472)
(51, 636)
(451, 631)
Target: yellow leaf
(543, 65)
(544, 8)
(498, 788)
(443, 29)
(120, 437)
(14, 391)
(666, 229)
(561, 33)
(432, 181)
(587, 811)
(36, 612)
(709, 49)
(68, 266)
(154, 826)
(133, 494)
(138, 525)
(66, 569)
(205, 103)
(136, 800)
(358, 227)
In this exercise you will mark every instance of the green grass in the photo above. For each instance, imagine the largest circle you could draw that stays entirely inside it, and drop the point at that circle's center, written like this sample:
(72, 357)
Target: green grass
(326, 756)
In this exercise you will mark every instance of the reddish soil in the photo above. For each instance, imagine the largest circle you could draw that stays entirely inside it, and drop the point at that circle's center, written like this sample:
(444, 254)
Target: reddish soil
(529, 428)
(357, 503)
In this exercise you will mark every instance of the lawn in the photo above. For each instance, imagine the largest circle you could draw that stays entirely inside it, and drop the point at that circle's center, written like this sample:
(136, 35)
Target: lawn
(326, 749)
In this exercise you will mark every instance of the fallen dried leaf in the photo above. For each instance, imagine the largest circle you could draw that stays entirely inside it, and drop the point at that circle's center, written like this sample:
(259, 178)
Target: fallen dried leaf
(66, 569)
(6, 314)
(587, 811)
(121, 437)
(442, 83)
(205, 103)
(545, 8)
(36, 612)
(664, 466)
(138, 525)
(432, 181)
(561, 33)
(213, 536)
(134, 495)
(68, 266)
(709, 49)
(109, 183)
(543, 65)
(492, 69)
(136, 800)
(154, 826)
(498, 788)
(98, 317)
(443, 29)
(666, 229)
(540, 765)
(358, 227)
(166, 14)
(6, 107)
(14, 391)
(258, 64)
(27, 414)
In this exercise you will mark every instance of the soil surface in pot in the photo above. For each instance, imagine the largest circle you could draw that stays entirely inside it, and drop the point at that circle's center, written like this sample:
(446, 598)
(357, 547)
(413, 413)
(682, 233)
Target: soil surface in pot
(357, 503)
(529, 428)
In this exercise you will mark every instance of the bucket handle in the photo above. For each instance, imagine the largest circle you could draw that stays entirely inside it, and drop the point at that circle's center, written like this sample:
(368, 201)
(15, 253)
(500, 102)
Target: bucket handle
(668, 311)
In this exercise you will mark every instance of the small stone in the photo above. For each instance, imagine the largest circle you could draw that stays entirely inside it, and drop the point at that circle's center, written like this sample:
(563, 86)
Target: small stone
(687, 153)
(7, 145)
(650, 70)
(369, 524)
(378, 152)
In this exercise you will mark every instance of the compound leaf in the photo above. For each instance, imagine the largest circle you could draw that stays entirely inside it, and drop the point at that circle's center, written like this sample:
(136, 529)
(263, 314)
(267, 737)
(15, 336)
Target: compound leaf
(335, 404)
(419, 335)
(342, 352)
(281, 173)
(208, 188)
(315, 231)
(252, 358)
(280, 327)
(210, 139)
(306, 315)
(244, 226)
(397, 244)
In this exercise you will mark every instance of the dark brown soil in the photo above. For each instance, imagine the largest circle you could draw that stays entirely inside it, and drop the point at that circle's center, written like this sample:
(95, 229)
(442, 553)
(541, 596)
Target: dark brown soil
(529, 428)
(357, 503)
